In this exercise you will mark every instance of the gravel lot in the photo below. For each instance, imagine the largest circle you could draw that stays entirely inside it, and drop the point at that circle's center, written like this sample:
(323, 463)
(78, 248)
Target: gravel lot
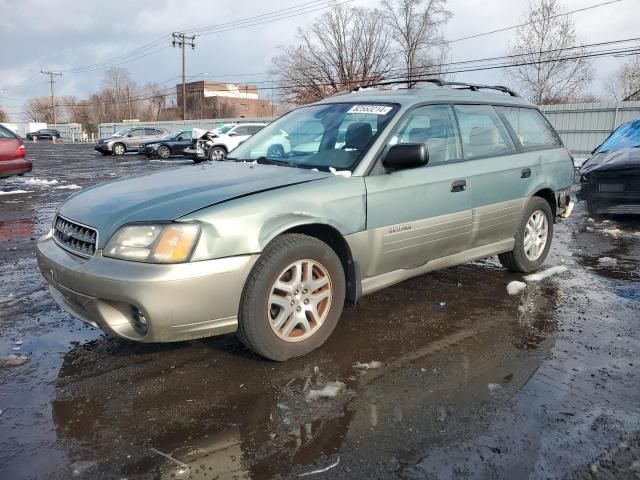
(470, 382)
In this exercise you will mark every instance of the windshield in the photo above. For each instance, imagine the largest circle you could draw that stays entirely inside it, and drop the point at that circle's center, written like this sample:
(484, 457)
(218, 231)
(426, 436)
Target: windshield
(225, 129)
(625, 136)
(319, 136)
(172, 135)
(122, 132)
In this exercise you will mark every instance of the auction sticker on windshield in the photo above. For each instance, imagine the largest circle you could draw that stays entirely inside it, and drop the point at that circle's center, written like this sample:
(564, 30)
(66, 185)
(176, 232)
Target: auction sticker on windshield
(374, 109)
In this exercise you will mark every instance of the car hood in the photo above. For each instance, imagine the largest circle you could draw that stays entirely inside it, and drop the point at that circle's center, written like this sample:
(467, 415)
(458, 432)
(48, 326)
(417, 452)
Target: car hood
(615, 160)
(170, 194)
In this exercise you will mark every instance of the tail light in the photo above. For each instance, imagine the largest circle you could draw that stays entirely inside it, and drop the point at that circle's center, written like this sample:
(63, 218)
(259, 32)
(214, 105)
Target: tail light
(21, 151)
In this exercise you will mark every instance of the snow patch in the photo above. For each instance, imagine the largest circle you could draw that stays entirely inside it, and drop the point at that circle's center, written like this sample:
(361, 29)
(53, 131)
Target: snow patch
(366, 366)
(607, 261)
(14, 192)
(515, 287)
(340, 173)
(73, 186)
(536, 277)
(40, 181)
(330, 390)
(616, 232)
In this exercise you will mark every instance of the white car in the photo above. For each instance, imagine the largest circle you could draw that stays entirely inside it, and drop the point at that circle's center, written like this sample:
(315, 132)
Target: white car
(224, 143)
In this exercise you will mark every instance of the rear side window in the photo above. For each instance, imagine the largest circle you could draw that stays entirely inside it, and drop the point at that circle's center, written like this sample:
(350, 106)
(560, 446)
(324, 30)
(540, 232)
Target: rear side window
(242, 130)
(483, 133)
(531, 128)
(6, 133)
(434, 126)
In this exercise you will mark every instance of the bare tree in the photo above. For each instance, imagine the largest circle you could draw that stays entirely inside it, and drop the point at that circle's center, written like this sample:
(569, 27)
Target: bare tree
(416, 27)
(3, 116)
(346, 47)
(549, 63)
(38, 109)
(625, 85)
(119, 89)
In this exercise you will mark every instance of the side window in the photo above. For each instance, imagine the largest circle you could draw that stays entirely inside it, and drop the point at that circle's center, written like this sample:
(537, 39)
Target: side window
(483, 133)
(138, 132)
(150, 131)
(185, 136)
(255, 129)
(435, 126)
(530, 126)
(242, 130)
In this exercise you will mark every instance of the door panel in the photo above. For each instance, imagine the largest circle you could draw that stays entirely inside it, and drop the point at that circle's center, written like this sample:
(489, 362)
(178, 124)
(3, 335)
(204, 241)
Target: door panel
(494, 174)
(413, 217)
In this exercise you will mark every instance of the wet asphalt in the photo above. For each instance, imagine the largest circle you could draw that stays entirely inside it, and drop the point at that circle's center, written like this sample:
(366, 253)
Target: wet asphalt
(472, 383)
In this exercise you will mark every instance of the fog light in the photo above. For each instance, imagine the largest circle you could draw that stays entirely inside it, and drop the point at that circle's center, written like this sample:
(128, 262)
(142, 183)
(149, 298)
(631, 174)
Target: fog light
(139, 322)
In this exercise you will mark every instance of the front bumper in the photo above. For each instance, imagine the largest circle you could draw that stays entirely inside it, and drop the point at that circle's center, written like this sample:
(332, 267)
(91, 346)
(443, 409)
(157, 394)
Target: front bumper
(616, 193)
(103, 148)
(177, 302)
(148, 150)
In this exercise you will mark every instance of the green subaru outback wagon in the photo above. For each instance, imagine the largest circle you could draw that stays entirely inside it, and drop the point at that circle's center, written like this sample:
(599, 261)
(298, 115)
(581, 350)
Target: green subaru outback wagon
(370, 188)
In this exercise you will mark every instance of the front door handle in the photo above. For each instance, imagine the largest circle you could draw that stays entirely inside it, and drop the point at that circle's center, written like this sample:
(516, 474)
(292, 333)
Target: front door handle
(525, 173)
(459, 186)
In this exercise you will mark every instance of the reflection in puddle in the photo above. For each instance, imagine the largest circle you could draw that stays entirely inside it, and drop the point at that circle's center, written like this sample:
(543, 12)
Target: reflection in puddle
(211, 408)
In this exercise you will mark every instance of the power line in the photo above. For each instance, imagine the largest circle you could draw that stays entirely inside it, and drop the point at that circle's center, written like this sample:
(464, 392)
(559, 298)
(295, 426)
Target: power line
(512, 27)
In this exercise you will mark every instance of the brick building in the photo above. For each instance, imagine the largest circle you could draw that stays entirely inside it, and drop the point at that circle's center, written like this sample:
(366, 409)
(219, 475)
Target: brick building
(212, 99)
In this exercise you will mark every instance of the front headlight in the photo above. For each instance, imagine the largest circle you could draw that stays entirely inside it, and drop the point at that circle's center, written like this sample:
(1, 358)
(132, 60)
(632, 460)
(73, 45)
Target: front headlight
(171, 243)
(152, 145)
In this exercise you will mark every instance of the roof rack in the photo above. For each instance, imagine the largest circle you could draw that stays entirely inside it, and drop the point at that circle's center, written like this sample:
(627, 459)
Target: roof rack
(443, 83)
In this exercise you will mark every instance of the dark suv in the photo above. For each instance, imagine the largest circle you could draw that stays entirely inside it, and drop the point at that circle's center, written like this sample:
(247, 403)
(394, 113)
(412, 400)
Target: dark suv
(44, 134)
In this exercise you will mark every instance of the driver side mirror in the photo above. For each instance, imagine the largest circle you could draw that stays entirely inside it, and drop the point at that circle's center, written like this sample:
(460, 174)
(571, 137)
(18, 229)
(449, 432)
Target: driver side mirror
(233, 134)
(129, 135)
(405, 156)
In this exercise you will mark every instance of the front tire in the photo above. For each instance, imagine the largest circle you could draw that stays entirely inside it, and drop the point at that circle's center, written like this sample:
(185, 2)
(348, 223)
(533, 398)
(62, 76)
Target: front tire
(119, 149)
(217, 153)
(533, 238)
(164, 152)
(293, 298)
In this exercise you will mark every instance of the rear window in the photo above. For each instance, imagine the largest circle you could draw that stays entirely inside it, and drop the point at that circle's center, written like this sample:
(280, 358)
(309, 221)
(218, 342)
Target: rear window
(531, 128)
(483, 133)
(6, 133)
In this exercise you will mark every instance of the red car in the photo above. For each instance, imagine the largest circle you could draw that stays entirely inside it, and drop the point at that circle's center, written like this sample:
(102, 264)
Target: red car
(13, 159)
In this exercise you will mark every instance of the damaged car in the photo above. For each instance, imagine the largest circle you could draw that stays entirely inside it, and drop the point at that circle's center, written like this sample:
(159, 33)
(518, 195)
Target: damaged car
(610, 178)
(271, 244)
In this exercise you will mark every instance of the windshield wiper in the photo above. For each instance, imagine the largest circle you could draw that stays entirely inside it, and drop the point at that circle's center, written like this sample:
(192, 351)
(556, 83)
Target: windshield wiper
(270, 161)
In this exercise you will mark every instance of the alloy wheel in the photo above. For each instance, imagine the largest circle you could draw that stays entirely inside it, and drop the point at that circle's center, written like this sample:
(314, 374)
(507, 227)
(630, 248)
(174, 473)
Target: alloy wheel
(535, 235)
(300, 300)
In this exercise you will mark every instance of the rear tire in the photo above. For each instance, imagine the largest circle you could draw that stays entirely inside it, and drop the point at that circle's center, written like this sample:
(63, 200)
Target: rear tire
(293, 298)
(275, 151)
(119, 149)
(529, 253)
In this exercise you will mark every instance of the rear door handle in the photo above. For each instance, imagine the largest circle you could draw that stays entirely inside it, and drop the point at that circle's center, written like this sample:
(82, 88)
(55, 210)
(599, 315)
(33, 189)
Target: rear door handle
(525, 173)
(459, 186)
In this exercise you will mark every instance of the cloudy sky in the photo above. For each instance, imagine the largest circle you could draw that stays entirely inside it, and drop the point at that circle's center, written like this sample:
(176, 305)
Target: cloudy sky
(74, 34)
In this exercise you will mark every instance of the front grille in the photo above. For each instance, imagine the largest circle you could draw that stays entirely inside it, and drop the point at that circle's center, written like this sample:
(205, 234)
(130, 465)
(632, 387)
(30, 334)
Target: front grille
(76, 238)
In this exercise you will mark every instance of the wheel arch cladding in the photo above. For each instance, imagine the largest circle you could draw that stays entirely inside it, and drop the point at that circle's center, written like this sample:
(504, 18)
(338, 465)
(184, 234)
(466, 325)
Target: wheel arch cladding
(548, 195)
(332, 237)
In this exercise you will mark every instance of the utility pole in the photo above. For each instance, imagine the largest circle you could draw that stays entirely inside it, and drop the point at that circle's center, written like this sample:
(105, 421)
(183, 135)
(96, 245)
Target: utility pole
(53, 97)
(129, 102)
(179, 39)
